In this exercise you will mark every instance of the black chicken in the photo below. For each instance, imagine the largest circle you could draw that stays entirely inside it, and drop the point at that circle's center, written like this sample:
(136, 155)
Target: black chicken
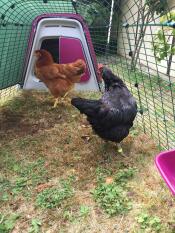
(112, 116)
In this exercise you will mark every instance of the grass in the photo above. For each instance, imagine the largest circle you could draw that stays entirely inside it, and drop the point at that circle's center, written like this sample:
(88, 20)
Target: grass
(53, 197)
(151, 223)
(35, 226)
(57, 176)
(111, 193)
(7, 223)
(112, 198)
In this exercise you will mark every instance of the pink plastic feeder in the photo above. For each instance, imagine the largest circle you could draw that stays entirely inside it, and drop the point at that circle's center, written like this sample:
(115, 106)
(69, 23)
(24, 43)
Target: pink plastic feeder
(165, 162)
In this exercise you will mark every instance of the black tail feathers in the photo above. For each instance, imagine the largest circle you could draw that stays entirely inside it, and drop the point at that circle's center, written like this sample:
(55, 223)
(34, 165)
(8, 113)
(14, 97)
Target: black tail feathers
(88, 107)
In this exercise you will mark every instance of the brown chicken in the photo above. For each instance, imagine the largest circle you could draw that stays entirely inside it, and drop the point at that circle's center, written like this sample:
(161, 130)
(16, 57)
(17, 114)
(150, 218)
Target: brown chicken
(59, 78)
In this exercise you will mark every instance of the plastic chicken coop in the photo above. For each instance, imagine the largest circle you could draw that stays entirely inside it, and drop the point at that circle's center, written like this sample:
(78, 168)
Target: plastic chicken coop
(136, 39)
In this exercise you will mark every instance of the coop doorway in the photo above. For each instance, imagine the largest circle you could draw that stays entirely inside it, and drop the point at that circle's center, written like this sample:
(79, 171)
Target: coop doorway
(51, 45)
(66, 50)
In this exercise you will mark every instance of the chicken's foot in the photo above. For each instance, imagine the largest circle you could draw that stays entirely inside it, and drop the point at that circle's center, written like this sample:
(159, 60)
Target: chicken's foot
(119, 149)
(63, 98)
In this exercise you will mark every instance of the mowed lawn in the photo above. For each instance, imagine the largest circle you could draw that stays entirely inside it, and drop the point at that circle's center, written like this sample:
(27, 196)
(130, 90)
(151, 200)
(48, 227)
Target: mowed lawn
(57, 176)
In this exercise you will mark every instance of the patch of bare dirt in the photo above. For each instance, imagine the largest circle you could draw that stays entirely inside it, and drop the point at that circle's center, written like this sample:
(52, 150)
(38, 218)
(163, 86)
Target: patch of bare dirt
(15, 123)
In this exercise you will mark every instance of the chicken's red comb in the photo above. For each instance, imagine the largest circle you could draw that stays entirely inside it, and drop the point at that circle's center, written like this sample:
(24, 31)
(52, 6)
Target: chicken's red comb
(100, 65)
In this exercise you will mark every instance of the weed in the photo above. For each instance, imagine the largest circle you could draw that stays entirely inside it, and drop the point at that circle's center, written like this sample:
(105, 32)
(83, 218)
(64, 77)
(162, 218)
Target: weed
(20, 184)
(73, 216)
(4, 187)
(102, 173)
(149, 222)
(7, 223)
(111, 198)
(4, 197)
(124, 175)
(84, 211)
(69, 216)
(35, 226)
(50, 198)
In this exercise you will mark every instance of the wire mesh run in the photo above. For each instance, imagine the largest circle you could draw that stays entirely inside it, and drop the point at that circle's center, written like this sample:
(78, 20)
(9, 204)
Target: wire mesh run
(136, 39)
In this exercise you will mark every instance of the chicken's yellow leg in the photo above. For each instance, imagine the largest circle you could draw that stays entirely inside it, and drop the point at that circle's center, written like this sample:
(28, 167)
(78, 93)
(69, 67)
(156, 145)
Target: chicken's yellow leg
(56, 102)
(65, 95)
(119, 149)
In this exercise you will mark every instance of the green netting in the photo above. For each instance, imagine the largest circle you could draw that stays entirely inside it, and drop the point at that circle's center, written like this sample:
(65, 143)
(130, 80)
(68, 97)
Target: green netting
(140, 48)
(12, 47)
(24, 11)
(15, 25)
